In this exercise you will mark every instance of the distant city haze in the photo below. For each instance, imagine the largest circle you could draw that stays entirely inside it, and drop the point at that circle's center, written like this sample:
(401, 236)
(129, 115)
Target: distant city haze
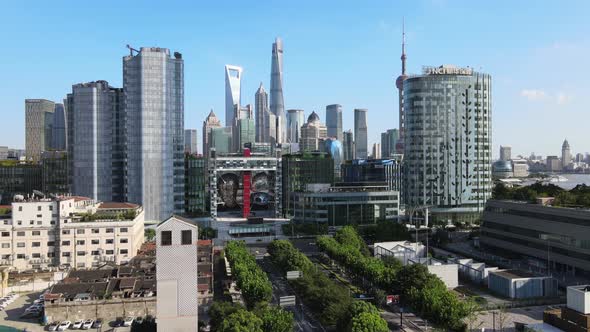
(334, 52)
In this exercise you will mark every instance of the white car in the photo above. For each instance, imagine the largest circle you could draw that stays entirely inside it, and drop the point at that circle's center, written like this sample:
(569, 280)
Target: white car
(53, 326)
(87, 324)
(64, 325)
(128, 321)
(77, 324)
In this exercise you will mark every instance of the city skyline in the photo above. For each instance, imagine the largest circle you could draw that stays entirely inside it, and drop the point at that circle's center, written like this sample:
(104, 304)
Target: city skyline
(529, 89)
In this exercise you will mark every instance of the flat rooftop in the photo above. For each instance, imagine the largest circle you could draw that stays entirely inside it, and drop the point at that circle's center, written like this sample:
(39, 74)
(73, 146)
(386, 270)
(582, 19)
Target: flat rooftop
(515, 274)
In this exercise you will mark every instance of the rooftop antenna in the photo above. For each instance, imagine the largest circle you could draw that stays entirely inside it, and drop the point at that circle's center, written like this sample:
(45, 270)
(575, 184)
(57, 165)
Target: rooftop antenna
(131, 49)
(403, 58)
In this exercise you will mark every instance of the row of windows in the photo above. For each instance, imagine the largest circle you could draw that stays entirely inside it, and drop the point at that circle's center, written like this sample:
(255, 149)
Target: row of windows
(95, 231)
(20, 208)
(563, 239)
(538, 215)
(186, 238)
(67, 254)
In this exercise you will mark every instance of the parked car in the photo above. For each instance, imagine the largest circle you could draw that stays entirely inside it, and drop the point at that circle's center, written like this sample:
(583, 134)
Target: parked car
(77, 324)
(64, 325)
(97, 323)
(139, 320)
(128, 321)
(87, 324)
(53, 326)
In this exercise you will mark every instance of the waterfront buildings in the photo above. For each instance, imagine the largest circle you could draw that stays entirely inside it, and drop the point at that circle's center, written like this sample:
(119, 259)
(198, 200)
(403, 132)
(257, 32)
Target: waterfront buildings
(520, 168)
(372, 172)
(190, 141)
(389, 141)
(334, 121)
(448, 138)
(177, 274)
(38, 127)
(153, 84)
(313, 133)
(210, 122)
(277, 103)
(566, 154)
(502, 169)
(505, 153)
(295, 120)
(553, 164)
(195, 185)
(233, 90)
(348, 145)
(553, 237)
(360, 133)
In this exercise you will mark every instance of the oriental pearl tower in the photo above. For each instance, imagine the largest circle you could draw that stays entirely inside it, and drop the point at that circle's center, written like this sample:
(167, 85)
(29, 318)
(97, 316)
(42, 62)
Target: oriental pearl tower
(399, 82)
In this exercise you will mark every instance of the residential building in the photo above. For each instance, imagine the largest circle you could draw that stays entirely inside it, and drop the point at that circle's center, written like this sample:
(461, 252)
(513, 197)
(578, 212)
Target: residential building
(210, 122)
(505, 153)
(295, 120)
(38, 127)
(313, 133)
(195, 185)
(221, 139)
(153, 85)
(177, 274)
(376, 151)
(233, 90)
(553, 237)
(389, 140)
(554, 164)
(448, 154)
(19, 178)
(334, 121)
(399, 83)
(190, 141)
(70, 230)
(302, 169)
(566, 154)
(372, 172)
(205, 270)
(277, 103)
(54, 170)
(58, 134)
(345, 205)
(348, 145)
(360, 134)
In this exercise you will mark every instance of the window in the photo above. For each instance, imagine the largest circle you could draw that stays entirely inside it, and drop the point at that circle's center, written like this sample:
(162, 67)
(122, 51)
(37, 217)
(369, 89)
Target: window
(110, 252)
(187, 237)
(123, 230)
(80, 265)
(39, 222)
(5, 222)
(5, 256)
(95, 231)
(36, 244)
(123, 241)
(65, 243)
(80, 231)
(20, 244)
(65, 254)
(66, 232)
(20, 233)
(5, 245)
(20, 256)
(39, 216)
(81, 253)
(110, 241)
(36, 255)
(36, 233)
(32, 222)
(80, 242)
(50, 243)
(95, 241)
(109, 230)
(51, 254)
(38, 208)
(95, 253)
(52, 222)
(166, 238)
(19, 222)
(124, 251)
(5, 234)
(20, 208)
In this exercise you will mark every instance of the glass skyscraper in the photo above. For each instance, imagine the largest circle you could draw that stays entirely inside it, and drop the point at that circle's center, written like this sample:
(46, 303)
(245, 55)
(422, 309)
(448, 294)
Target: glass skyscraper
(448, 112)
(360, 134)
(334, 121)
(153, 83)
(295, 119)
(38, 127)
(277, 103)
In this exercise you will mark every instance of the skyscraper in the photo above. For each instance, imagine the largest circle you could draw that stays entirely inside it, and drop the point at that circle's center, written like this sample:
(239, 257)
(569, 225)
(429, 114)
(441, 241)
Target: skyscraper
(295, 119)
(505, 153)
(389, 142)
(334, 121)
(360, 133)
(448, 142)
(348, 145)
(38, 127)
(376, 153)
(566, 154)
(399, 83)
(58, 139)
(277, 103)
(243, 129)
(210, 122)
(233, 88)
(93, 107)
(190, 141)
(313, 133)
(153, 84)
(260, 109)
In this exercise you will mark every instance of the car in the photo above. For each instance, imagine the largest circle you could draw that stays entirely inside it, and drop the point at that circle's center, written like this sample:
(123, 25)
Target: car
(128, 321)
(64, 325)
(77, 324)
(139, 320)
(87, 324)
(53, 326)
(97, 323)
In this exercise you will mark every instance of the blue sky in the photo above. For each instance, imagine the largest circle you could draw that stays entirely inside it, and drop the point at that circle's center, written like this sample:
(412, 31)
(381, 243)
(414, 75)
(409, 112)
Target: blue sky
(344, 52)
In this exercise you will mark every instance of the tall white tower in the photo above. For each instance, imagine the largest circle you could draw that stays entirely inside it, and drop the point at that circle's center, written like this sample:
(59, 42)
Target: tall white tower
(233, 88)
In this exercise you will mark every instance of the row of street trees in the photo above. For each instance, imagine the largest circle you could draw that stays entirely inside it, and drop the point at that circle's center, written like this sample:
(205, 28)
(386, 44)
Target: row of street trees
(250, 278)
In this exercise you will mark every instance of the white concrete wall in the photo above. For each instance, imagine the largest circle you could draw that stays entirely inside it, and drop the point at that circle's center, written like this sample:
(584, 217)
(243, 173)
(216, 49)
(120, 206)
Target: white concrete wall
(578, 300)
(448, 273)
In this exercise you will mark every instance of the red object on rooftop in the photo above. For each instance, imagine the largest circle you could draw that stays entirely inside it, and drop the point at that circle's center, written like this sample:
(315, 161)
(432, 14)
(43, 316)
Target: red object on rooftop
(247, 178)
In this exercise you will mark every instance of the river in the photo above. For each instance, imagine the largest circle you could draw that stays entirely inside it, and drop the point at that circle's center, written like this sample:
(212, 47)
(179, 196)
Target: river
(570, 181)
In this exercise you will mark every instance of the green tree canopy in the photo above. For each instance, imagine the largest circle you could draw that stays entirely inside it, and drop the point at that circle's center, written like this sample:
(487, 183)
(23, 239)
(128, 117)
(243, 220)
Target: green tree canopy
(241, 321)
(368, 322)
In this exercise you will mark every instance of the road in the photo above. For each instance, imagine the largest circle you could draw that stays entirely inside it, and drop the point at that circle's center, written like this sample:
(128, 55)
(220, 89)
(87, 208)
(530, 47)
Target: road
(303, 317)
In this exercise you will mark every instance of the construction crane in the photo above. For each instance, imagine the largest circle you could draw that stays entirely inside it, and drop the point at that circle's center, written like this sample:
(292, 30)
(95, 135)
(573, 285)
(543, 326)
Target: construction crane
(131, 49)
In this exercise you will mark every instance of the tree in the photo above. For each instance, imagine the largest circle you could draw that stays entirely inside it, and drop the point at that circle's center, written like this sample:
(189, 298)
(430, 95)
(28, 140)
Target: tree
(355, 309)
(220, 310)
(241, 321)
(368, 322)
(150, 234)
(207, 233)
(501, 317)
(275, 319)
(472, 317)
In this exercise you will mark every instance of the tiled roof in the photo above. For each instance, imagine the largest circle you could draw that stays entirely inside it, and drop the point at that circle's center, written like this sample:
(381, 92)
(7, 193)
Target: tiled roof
(204, 242)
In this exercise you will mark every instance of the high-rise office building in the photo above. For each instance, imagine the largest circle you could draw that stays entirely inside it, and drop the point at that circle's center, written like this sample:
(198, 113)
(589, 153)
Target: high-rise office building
(360, 133)
(244, 128)
(210, 122)
(348, 145)
(195, 185)
(153, 84)
(94, 107)
(220, 138)
(19, 178)
(566, 154)
(190, 141)
(58, 139)
(313, 133)
(295, 119)
(260, 109)
(334, 147)
(277, 103)
(54, 166)
(505, 153)
(389, 141)
(233, 90)
(38, 127)
(399, 83)
(334, 121)
(376, 151)
(448, 142)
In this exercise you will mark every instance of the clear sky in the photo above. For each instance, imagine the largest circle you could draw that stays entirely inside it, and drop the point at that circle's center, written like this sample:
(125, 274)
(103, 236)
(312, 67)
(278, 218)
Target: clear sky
(344, 52)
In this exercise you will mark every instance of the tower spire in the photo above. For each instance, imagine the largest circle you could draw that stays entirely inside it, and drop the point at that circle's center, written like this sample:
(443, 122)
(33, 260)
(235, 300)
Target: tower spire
(403, 58)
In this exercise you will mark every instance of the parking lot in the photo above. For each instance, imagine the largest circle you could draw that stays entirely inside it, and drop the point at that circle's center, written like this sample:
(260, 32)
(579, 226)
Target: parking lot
(10, 316)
